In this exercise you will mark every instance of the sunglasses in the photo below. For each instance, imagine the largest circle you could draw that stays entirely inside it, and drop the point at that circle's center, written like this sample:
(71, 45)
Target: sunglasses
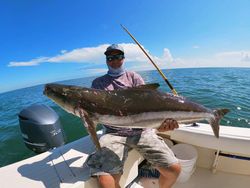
(114, 57)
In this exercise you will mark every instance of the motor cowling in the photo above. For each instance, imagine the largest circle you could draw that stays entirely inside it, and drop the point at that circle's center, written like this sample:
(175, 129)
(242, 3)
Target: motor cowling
(41, 128)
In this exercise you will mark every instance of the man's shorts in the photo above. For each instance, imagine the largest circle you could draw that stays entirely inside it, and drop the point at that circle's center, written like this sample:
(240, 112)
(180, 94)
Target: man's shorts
(110, 159)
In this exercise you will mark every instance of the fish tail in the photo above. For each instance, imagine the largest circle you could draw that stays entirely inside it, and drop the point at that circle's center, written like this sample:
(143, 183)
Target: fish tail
(215, 122)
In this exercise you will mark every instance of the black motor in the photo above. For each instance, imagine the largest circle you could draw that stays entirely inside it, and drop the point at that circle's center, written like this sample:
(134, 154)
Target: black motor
(41, 128)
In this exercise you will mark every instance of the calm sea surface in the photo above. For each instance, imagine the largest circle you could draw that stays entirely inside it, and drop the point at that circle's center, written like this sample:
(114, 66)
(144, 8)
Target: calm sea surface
(212, 87)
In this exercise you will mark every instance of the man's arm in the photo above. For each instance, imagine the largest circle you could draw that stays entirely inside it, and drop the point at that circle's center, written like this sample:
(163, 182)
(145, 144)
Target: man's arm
(96, 84)
(137, 80)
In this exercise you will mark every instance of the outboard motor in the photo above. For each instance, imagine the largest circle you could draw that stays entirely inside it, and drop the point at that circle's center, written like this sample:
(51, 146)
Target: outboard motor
(41, 128)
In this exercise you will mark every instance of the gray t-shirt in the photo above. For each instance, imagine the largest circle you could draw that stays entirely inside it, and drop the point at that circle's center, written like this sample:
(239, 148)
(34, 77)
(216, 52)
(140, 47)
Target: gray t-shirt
(127, 80)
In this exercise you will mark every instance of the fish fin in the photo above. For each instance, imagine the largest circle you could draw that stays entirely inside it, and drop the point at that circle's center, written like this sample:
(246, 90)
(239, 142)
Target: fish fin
(90, 126)
(218, 115)
(152, 86)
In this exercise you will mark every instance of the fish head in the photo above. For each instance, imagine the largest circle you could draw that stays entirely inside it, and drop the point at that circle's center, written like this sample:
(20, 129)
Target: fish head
(65, 96)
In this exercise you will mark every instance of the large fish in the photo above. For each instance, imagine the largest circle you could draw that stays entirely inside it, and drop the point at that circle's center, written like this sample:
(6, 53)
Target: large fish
(141, 107)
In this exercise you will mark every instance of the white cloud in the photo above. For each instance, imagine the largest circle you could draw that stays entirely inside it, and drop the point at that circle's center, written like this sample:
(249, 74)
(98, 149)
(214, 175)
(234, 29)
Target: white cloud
(133, 53)
(32, 62)
(246, 57)
(236, 55)
(222, 59)
(63, 51)
(85, 55)
(234, 58)
(196, 47)
(166, 57)
(80, 55)
(94, 71)
(136, 59)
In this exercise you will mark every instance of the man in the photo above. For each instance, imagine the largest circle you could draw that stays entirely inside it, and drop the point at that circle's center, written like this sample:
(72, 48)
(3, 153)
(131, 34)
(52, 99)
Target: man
(120, 140)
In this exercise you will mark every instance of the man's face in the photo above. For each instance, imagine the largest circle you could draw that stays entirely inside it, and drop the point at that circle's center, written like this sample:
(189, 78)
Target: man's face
(115, 61)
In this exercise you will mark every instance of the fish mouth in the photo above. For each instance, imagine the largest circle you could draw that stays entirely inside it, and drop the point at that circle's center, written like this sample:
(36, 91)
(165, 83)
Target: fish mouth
(50, 89)
(47, 89)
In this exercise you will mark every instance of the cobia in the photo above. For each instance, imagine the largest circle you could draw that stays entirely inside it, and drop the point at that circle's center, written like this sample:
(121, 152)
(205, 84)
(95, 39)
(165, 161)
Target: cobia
(140, 107)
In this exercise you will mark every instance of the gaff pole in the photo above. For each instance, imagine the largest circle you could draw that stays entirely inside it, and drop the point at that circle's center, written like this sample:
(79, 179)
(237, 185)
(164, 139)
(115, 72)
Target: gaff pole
(161, 73)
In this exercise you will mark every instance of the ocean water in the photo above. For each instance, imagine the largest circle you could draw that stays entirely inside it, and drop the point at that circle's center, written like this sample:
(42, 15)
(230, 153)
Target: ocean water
(212, 87)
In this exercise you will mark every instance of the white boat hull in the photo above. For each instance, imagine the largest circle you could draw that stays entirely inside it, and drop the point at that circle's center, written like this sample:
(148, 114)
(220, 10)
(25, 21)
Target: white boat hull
(63, 167)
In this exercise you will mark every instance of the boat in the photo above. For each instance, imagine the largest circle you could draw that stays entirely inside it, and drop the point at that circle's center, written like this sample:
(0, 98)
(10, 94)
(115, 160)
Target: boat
(223, 162)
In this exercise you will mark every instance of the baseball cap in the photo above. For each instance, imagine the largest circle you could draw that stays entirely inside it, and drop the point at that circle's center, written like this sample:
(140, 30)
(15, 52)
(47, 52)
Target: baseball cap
(114, 47)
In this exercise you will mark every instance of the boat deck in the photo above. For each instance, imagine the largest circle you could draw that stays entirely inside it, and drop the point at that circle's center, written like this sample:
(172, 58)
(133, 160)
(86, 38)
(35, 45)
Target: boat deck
(62, 167)
(204, 178)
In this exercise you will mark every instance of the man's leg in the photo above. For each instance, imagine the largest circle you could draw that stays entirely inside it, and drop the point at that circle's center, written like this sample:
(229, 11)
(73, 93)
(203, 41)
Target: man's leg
(107, 163)
(109, 181)
(169, 175)
(155, 150)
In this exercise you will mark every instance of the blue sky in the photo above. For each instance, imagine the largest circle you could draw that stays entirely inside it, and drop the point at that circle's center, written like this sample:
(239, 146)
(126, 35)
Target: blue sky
(46, 41)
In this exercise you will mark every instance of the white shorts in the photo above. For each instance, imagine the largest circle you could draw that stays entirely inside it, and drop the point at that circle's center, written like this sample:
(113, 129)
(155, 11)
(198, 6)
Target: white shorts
(110, 159)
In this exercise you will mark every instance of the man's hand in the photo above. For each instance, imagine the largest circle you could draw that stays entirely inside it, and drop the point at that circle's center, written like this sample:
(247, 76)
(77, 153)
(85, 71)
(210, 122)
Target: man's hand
(168, 124)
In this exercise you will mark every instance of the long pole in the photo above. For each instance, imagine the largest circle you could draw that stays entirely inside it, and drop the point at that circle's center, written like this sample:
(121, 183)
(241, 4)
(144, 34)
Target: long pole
(161, 73)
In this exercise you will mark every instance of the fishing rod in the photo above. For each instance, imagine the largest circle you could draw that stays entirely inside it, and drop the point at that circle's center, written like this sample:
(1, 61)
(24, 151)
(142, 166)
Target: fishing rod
(161, 73)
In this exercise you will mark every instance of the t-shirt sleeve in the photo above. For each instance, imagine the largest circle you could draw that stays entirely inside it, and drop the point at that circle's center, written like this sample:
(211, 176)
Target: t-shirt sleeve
(138, 80)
